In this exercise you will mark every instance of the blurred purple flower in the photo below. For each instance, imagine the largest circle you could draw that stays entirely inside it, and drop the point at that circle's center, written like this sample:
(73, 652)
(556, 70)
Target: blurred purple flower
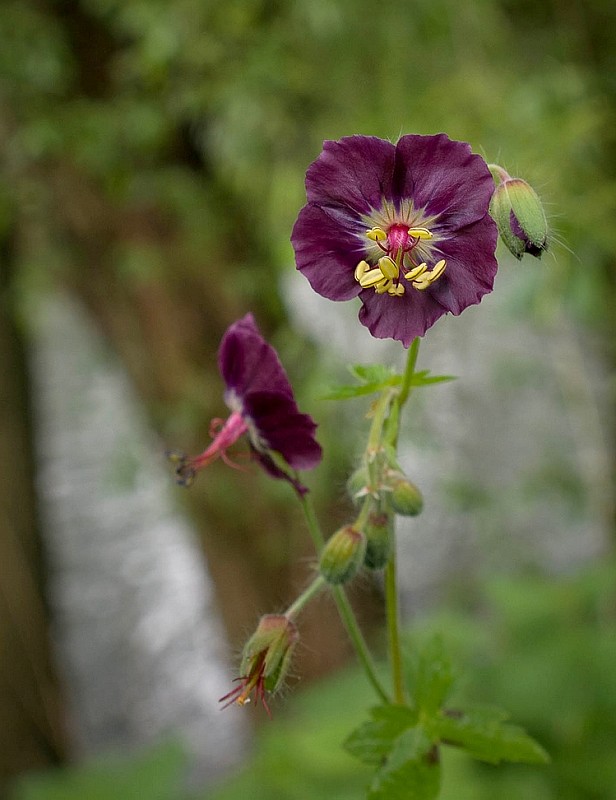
(262, 407)
(405, 227)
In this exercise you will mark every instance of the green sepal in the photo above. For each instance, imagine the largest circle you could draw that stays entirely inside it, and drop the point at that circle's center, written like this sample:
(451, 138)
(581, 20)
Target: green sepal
(527, 208)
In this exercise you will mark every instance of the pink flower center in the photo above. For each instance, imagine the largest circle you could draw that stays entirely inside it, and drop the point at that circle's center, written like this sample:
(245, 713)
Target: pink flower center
(397, 242)
(398, 239)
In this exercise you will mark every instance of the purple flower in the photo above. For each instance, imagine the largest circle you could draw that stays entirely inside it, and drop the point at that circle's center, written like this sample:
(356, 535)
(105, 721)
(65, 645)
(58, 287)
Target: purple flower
(405, 227)
(262, 406)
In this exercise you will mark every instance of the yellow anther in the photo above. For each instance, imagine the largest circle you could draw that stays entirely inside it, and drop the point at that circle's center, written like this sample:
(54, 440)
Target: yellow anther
(416, 272)
(384, 286)
(376, 234)
(396, 290)
(422, 284)
(361, 269)
(437, 270)
(388, 267)
(371, 278)
(420, 233)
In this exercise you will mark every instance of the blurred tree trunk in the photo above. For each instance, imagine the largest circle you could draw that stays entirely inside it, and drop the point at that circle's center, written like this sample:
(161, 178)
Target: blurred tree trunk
(165, 320)
(255, 541)
(31, 730)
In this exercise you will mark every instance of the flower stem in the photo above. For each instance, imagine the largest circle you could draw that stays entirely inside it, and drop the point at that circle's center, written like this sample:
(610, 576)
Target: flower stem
(347, 615)
(312, 522)
(391, 570)
(361, 648)
(393, 628)
(315, 587)
(407, 378)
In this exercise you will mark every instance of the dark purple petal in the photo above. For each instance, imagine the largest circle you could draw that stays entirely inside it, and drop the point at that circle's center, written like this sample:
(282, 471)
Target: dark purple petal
(403, 318)
(471, 266)
(248, 363)
(283, 428)
(266, 462)
(444, 177)
(354, 172)
(328, 247)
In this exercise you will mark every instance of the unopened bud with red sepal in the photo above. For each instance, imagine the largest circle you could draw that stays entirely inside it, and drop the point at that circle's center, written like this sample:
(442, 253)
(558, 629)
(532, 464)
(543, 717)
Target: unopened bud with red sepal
(343, 555)
(518, 213)
(265, 660)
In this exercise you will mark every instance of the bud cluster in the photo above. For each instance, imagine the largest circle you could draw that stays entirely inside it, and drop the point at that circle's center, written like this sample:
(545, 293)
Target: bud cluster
(382, 490)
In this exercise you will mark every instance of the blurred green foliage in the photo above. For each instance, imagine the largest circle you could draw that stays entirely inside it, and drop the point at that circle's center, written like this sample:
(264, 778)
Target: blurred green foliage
(153, 775)
(215, 110)
(546, 645)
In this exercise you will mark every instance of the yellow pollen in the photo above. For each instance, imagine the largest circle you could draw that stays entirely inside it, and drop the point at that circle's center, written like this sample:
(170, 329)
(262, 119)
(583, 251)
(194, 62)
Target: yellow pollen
(420, 233)
(425, 279)
(388, 267)
(371, 278)
(438, 269)
(385, 278)
(376, 234)
(361, 269)
(383, 287)
(416, 272)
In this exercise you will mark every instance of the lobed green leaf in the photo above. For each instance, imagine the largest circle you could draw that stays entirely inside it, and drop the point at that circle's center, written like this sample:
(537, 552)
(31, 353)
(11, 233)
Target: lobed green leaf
(431, 677)
(373, 740)
(411, 772)
(484, 733)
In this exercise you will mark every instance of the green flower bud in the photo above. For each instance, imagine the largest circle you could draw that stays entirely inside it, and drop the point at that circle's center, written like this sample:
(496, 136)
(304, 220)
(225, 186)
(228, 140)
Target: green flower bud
(378, 539)
(405, 497)
(519, 216)
(343, 555)
(357, 484)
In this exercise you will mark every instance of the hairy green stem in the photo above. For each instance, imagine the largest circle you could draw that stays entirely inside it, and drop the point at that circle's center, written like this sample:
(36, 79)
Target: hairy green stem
(391, 570)
(407, 378)
(314, 529)
(315, 587)
(361, 648)
(393, 628)
(345, 609)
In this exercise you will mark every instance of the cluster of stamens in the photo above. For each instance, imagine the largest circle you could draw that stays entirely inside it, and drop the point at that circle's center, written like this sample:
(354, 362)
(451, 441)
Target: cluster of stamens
(385, 278)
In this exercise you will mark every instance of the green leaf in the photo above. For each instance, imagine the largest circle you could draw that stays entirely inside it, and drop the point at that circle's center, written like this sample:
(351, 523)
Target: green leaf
(345, 392)
(376, 377)
(372, 741)
(485, 735)
(431, 677)
(423, 378)
(412, 770)
(372, 373)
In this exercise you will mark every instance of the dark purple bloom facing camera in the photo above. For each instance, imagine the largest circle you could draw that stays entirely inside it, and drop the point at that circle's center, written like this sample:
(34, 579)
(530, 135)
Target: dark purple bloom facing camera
(404, 227)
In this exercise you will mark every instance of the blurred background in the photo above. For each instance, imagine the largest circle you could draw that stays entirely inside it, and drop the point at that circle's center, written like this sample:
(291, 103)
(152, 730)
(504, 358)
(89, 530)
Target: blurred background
(152, 156)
